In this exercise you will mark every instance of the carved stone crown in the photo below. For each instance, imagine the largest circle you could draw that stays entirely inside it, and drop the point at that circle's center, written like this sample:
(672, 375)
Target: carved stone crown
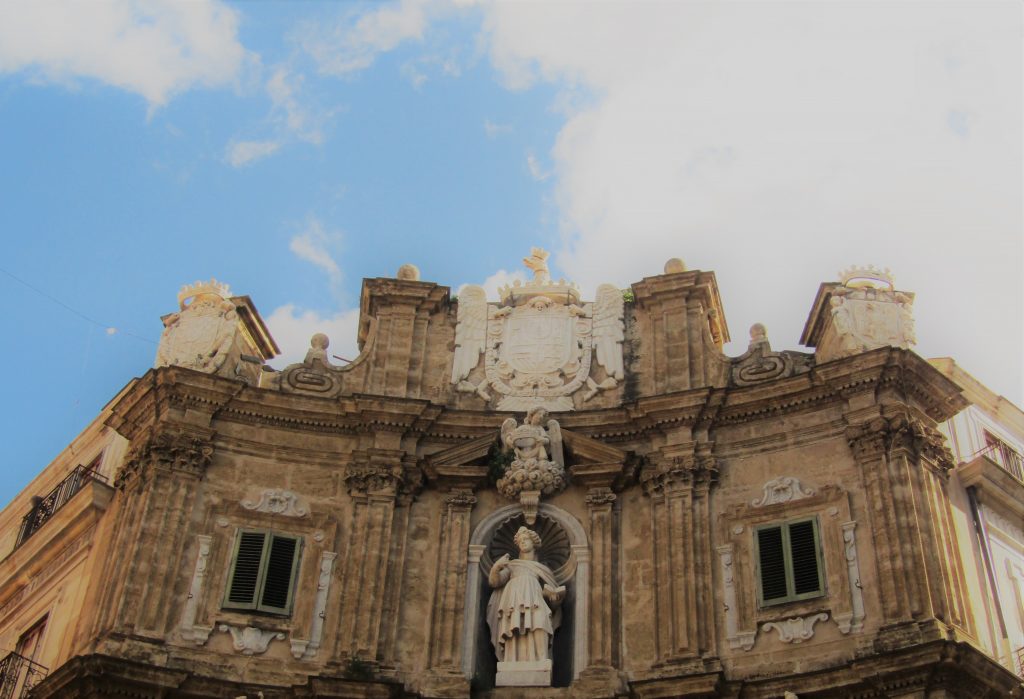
(519, 292)
(855, 276)
(212, 287)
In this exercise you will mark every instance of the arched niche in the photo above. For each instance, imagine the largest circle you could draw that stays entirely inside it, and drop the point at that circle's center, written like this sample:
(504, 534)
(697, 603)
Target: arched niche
(572, 570)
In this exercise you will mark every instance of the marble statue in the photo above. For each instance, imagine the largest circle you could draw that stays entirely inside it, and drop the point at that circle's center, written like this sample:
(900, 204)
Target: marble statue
(523, 613)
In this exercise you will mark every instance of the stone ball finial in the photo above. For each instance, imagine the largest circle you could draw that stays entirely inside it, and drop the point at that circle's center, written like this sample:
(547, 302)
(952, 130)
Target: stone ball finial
(319, 341)
(758, 332)
(675, 265)
(409, 273)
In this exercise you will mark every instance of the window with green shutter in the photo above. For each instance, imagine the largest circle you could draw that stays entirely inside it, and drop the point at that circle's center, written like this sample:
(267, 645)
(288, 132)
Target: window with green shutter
(789, 562)
(264, 566)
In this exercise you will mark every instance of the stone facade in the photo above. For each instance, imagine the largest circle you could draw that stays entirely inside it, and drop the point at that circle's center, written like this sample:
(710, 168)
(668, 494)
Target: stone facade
(380, 480)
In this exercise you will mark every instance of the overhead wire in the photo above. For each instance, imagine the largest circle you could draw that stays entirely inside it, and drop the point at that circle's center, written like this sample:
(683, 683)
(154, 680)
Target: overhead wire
(107, 328)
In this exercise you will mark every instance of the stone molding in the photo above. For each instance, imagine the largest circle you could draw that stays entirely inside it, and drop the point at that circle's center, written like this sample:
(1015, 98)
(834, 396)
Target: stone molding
(898, 428)
(187, 629)
(782, 489)
(278, 502)
(796, 629)
(852, 620)
(307, 649)
(181, 451)
(250, 640)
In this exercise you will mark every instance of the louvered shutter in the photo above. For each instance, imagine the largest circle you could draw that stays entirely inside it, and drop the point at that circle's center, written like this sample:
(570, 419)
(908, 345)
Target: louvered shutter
(279, 576)
(803, 548)
(772, 564)
(246, 569)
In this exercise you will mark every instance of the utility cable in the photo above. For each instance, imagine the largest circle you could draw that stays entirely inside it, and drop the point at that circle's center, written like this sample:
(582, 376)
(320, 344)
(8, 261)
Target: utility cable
(109, 329)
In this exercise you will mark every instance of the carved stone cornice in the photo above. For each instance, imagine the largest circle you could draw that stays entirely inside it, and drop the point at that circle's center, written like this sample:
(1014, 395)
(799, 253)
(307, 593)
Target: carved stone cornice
(599, 497)
(695, 471)
(896, 429)
(460, 499)
(187, 450)
(383, 473)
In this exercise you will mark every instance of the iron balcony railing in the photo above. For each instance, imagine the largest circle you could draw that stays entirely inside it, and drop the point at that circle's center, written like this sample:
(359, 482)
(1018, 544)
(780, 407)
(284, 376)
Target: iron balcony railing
(18, 675)
(1007, 459)
(1020, 661)
(45, 507)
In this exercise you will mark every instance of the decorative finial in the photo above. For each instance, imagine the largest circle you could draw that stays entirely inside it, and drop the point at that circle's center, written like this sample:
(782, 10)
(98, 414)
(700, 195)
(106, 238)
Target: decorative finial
(538, 262)
(675, 265)
(319, 341)
(409, 273)
(758, 333)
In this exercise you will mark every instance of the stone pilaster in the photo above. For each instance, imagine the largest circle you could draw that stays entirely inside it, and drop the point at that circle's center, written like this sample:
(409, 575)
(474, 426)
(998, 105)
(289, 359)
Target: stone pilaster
(903, 464)
(379, 486)
(145, 552)
(682, 558)
(603, 600)
(446, 651)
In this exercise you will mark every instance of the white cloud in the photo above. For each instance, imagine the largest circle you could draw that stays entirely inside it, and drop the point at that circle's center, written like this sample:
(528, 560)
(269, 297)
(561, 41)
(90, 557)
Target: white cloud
(155, 49)
(493, 130)
(292, 327)
(536, 171)
(779, 142)
(495, 281)
(352, 43)
(311, 246)
(284, 88)
(241, 153)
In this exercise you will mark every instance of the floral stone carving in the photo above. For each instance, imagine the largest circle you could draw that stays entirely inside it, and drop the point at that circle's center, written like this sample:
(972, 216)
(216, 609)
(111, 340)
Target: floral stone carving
(251, 640)
(540, 342)
(532, 473)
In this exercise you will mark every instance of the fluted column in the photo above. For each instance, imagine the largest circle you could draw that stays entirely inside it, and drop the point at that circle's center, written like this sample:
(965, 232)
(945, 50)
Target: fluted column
(682, 557)
(445, 632)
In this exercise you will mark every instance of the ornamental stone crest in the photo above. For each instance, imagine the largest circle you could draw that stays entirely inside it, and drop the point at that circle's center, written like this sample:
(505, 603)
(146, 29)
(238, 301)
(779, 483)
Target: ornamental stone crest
(539, 342)
(868, 312)
(539, 464)
(199, 336)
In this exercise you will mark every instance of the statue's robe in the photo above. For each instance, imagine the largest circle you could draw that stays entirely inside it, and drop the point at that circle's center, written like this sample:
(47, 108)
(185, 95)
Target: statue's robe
(518, 605)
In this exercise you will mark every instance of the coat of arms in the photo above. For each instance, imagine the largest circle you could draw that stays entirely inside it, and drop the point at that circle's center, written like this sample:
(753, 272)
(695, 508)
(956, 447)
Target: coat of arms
(539, 343)
(200, 335)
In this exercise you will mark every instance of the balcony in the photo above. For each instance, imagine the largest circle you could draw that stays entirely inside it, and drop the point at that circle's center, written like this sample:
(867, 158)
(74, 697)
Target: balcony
(1004, 456)
(47, 506)
(18, 675)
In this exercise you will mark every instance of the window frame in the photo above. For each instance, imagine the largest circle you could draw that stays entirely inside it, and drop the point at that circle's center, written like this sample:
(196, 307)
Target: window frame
(787, 561)
(256, 605)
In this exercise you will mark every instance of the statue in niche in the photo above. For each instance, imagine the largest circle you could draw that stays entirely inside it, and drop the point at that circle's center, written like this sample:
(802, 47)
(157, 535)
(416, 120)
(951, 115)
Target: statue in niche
(523, 613)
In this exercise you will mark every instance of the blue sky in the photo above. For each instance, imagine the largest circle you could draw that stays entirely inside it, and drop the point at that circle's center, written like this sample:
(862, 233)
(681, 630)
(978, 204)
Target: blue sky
(291, 149)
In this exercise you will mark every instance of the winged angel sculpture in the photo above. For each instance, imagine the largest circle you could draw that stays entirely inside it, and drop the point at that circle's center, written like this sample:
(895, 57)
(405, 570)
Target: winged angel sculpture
(539, 344)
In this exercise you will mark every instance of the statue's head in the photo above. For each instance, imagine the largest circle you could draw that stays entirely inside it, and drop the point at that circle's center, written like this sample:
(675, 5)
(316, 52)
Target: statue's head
(536, 415)
(527, 540)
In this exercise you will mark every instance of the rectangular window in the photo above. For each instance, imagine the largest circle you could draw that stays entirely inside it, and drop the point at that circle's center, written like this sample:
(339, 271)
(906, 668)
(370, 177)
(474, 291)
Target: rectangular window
(264, 566)
(789, 562)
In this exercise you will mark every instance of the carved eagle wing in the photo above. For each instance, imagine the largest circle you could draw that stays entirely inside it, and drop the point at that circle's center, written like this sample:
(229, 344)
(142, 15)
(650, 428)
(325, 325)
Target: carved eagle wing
(470, 332)
(609, 329)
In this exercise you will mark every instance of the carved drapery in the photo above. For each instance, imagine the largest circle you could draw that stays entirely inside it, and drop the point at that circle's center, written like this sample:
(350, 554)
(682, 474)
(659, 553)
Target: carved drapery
(904, 464)
(682, 553)
(307, 649)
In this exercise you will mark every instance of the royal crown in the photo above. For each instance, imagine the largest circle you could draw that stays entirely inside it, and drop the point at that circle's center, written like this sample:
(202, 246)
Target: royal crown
(866, 276)
(212, 287)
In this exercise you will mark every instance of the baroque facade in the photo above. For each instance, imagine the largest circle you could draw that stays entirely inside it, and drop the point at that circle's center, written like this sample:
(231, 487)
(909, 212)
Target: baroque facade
(530, 495)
